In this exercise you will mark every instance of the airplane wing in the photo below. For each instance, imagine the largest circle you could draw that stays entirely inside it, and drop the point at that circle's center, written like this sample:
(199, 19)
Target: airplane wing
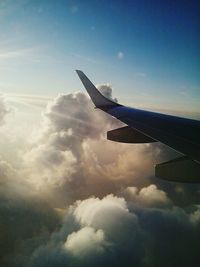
(181, 134)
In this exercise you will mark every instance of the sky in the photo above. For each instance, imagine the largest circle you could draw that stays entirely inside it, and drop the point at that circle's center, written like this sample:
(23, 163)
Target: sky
(147, 50)
(69, 196)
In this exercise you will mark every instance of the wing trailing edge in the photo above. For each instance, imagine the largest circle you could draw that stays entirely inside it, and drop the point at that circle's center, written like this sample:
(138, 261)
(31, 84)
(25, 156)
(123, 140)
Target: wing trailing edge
(181, 169)
(127, 134)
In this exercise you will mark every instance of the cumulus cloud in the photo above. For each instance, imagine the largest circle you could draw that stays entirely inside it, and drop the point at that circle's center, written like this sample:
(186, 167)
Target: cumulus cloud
(117, 216)
(88, 210)
(106, 90)
(102, 232)
(71, 159)
(103, 228)
(148, 196)
(69, 155)
(26, 219)
(56, 158)
(7, 179)
(86, 242)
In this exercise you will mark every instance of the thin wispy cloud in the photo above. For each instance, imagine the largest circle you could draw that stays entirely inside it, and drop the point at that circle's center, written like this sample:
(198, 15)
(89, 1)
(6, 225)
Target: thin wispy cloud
(140, 74)
(8, 41)
(8, 7)
(28, 100)
(74, 9)
(90, 60)
(19, 53)
(183, 93)
(12, 54)
(120, 55)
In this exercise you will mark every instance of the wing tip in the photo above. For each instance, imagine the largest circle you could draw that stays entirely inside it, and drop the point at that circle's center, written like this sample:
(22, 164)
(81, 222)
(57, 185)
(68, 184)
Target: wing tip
(79, 72)
(99, 100)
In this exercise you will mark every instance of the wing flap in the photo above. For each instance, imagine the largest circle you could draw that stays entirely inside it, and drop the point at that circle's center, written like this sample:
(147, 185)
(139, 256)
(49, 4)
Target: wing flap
(128, 135)
(180, 169)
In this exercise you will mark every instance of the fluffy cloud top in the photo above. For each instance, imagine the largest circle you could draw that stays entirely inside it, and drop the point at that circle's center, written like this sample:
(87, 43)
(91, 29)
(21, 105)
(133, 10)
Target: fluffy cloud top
(86, 242)
(87, 210)
(117, 217)
(148, 196)
(114, 231)
(69, 156)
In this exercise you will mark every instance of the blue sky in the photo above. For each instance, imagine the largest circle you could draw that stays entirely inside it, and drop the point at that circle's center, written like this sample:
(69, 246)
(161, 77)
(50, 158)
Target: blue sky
(147, 50)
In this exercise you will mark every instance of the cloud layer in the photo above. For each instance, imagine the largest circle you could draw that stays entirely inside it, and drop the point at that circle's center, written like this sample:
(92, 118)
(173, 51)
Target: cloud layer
(69, 155)
(113, 231)
(4, 110)
(77, 199)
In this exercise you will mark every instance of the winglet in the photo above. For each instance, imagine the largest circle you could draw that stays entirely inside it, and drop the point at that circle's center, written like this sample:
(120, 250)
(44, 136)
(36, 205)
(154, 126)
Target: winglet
(98, 99)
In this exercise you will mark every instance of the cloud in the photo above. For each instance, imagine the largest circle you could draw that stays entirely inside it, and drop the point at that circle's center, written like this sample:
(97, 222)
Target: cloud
(26, 223)
(106, 90)
(69, 160)
(120, 55)
(148, 196)
(85, 58)
(115, 215)
(113, 231)
(28, 100)
(4, 110)
(183, 93)
(24, 53)
(140, 74)
(12, 54)
(88, 210)
(97, 241)
(74, 8)
(86, 242)
(8, 176)
(56, 157)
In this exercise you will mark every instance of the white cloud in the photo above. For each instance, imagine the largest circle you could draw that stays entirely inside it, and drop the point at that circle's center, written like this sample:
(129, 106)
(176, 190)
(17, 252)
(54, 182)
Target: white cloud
(68, 151)
(88, 210)
(148, 196)
(86, 242)
(109, 214)
(71, 159)
(153, 194)
(102, 232)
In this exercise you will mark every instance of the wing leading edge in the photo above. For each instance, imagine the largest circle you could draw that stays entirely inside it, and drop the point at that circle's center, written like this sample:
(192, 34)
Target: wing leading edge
(144, 126)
